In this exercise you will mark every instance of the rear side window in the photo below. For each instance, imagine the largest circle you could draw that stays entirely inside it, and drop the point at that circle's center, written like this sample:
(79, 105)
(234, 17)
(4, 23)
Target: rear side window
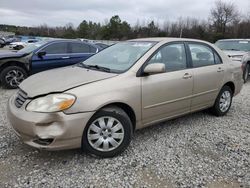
(172, 55)
(217, 59)
(57, 48)
(80, 48)
(92, 49)
(201, 55)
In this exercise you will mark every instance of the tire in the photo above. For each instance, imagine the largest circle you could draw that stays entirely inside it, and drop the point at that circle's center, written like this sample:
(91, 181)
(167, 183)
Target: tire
(96, 135)
(221, 108)
(246, 73)
(12, 76)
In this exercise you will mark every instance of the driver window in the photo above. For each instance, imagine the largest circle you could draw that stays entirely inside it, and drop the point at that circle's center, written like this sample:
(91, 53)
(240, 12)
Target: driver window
(173, 56)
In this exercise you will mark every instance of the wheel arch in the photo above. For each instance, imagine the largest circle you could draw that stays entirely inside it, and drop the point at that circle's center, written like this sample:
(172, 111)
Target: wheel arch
(231, 85)
(127, 109)
(13, 63)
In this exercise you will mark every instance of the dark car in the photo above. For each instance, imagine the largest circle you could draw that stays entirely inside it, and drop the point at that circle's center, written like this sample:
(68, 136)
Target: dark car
(41, 56)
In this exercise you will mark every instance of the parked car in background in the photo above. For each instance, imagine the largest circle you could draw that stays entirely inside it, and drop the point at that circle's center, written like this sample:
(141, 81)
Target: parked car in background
(236, 49)
(22, 44)
(11, 39)
(2, 42)
(99, 103)
(41, 56)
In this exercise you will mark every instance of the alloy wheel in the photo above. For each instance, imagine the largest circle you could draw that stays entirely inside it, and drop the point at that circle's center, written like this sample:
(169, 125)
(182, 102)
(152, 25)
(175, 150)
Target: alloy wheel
(14, 77)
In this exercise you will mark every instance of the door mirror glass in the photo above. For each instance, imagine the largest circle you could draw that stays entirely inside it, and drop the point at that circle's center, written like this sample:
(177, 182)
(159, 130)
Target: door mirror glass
(41, 54)
(155, 68)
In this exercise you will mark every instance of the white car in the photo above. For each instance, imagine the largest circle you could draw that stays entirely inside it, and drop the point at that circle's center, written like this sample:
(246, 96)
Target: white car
(21, 45)
(237, 50)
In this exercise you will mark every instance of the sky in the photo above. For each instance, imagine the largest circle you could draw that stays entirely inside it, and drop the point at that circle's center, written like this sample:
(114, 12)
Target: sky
(61, 12)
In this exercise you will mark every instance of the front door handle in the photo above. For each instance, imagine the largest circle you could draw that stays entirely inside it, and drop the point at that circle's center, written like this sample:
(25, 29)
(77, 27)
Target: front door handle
(220, 69)
(187, 76)
(67, 57)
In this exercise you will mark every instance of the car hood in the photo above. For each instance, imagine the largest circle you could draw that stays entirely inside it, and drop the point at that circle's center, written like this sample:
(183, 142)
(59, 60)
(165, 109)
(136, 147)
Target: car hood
(5, 55)
(234, 53)
(60, 80)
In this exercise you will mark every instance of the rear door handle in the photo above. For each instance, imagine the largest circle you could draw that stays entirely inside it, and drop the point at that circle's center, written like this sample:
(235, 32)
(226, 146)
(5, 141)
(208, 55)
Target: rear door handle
(67, 57)
(220, 69)
(187, 76)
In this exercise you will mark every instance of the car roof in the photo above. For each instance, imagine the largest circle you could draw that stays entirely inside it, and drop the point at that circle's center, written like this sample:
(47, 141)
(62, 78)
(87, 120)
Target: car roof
(68, 40)
(233, 40)
(165, 39)
(62, 40)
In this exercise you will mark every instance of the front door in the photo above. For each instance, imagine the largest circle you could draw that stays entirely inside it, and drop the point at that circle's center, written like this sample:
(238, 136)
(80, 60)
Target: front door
(56, 56)
(167, 94)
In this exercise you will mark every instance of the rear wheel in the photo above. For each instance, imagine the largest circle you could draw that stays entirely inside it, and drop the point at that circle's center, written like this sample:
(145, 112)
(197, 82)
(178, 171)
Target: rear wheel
(108, 132)
(223, 101)
(12, 76)
(246, 73)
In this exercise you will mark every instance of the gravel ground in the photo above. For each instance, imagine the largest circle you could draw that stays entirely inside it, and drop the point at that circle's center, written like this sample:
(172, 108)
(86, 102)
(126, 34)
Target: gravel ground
(198, 150)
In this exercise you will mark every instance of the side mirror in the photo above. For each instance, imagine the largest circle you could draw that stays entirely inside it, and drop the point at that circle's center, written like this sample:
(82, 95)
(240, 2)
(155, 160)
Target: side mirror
(41, 54)
(155, 68)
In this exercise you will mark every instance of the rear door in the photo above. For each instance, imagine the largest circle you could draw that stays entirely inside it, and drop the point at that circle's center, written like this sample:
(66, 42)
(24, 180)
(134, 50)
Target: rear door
(80, 51)
(57, 55)
(208, 73)
(167, 94)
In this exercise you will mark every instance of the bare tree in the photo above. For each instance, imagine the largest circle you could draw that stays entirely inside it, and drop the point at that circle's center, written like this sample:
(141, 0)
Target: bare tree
(223, 14)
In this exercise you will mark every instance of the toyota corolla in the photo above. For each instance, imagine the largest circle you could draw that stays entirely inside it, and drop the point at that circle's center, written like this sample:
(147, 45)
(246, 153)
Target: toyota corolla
(98, 104)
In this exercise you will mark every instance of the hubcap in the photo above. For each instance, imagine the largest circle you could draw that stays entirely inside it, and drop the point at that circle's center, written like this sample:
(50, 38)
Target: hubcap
(225, 101)
(105, 134)
(14, 77)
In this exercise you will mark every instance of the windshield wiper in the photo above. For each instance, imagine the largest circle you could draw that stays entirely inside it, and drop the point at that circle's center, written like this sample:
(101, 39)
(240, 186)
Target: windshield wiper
(94, 67)
(99, 68)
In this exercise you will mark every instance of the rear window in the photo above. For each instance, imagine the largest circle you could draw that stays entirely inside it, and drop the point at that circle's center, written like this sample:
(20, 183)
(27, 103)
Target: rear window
(235, 45)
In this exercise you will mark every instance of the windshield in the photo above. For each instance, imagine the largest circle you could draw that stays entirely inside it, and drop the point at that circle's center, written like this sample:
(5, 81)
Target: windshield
(119, 57)
(31, 47)
(237, 45)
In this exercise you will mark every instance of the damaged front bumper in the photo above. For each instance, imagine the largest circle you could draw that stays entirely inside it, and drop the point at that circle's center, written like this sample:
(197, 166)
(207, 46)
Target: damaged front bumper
(50, 131)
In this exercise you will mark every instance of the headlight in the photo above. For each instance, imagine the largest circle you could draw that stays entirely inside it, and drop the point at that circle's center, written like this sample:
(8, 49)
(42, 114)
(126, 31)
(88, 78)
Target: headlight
(51, 103)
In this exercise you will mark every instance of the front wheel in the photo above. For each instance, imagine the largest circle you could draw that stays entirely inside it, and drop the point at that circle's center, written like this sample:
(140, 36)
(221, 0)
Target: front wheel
(108, 132)
(223, 101)
(12, 76)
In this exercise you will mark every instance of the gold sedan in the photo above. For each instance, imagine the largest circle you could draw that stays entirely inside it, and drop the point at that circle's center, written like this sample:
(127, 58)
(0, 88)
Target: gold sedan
(98, 104)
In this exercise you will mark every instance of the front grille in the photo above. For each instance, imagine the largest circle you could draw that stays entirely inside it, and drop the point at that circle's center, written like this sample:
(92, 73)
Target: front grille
(21, 98)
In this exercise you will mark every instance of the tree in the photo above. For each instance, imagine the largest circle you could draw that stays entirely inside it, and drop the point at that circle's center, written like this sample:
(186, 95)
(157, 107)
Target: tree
(69, 31)
(222, 15)
(83, 29)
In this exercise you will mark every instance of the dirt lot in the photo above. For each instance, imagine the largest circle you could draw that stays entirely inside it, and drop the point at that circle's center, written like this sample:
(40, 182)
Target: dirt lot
(198, 150)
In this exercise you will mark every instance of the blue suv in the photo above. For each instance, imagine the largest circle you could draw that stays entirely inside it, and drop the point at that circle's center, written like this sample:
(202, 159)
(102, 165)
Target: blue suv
(41, 56)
